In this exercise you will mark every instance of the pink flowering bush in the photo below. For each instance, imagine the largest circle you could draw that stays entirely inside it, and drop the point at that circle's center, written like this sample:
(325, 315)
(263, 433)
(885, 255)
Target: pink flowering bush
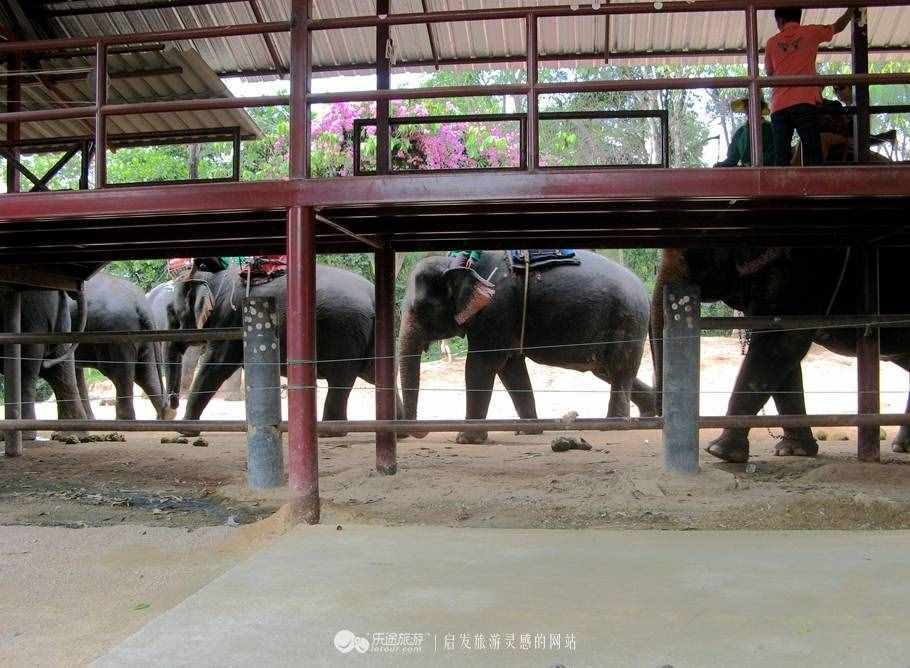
(430, 146)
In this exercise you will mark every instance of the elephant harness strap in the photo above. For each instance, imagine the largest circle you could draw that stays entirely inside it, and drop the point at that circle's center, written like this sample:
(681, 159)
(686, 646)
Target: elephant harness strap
(536, 258)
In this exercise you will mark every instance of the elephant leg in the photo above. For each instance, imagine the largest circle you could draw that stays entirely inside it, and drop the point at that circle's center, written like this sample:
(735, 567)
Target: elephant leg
(790, 400)
(83, 393)
(148, 377)
(620, 392)
(768, 365)
(216, 365)
(644, 396)
(30, 369)
(336, 399)
(902, 440)
(123, 376)
(515, 378)
(479, 375)
(62, 379)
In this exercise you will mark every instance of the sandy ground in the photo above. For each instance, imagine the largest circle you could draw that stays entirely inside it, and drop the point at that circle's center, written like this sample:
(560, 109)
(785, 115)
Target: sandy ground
(156, 521)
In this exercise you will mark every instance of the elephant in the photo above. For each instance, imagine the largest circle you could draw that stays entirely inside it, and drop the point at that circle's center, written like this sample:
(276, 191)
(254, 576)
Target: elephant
(117, 305)
(160, 298)
(47, 311)
(345, 323)
(783, 281)
(589, 317)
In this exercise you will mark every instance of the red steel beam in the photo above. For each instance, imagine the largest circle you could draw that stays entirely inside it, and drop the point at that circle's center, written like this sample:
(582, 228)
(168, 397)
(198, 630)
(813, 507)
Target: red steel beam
(301, 74)
(100, 120)
(383, 84)
(13, 129)
(303, 449)
(755, 92)
(487, 189)
(434, 52)
(267, 38)
(384, 337)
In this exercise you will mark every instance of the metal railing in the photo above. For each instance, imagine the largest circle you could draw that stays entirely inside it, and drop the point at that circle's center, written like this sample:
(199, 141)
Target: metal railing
(303, 26)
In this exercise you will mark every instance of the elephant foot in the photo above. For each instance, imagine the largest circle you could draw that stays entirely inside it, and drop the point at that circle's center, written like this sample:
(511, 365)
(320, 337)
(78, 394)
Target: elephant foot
(529, 432)
(792, 447)
(471, 437)
(402, 435)
(337, 434)
(168, 414)
(730, 448)
(901, 441)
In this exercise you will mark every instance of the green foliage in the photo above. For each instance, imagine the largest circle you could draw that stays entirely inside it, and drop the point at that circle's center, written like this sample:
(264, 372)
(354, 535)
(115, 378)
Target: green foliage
(144, 273)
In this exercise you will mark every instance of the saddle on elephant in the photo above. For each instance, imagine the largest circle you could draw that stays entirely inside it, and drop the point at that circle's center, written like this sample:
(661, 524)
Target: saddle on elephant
(183, 268)
(259, 269)
(483, 289)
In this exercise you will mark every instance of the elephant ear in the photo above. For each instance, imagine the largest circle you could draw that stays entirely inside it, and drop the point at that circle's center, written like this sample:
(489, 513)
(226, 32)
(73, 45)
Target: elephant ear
(469, 292)
(204, 304)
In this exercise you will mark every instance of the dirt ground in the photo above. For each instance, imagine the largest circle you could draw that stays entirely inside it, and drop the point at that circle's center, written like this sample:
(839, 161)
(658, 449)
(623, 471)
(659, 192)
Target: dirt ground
(154, 522)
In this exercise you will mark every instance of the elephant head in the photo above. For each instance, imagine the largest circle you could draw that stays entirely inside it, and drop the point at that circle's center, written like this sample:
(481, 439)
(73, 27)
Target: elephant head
(190, 307)
(439, 304)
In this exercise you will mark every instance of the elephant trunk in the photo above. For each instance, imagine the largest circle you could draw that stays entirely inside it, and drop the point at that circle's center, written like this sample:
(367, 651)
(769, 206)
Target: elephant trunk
(672, 268)
(61, 325)
(173, 370)
(411, 343)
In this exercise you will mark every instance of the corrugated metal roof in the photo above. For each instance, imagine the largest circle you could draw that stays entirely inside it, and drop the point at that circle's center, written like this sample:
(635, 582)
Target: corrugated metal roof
(578, 40)
(189, 77)
(564, 41)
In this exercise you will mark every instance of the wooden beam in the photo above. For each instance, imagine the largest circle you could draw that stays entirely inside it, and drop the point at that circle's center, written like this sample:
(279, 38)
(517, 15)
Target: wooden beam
(32, 277)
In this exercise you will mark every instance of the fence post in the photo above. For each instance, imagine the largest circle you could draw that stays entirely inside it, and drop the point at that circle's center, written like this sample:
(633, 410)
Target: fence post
(868, 344)
(682, 340)
(261, 358)
(12, 371)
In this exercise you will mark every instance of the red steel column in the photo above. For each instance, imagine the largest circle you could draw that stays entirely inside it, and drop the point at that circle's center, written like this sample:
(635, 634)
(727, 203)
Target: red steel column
(13, 104)
(100, 120)
(383, 82)
(532, 144)
(868, 443)
(755, 93)
(860, 61)
(386, 461)
(303, 450)
(301, 72)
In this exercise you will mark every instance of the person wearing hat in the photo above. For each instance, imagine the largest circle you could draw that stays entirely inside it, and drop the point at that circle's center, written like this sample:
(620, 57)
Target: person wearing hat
(739, 150)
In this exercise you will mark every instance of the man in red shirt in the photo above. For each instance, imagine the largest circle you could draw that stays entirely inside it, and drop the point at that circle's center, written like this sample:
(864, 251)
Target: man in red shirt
(792, 51)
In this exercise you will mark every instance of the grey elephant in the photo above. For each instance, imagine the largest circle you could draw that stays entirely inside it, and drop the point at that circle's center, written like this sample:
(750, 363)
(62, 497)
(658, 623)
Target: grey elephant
(47, 311)
(345, 321)
(117, 305)
(160, 298)
(784, 281)
(589, 317)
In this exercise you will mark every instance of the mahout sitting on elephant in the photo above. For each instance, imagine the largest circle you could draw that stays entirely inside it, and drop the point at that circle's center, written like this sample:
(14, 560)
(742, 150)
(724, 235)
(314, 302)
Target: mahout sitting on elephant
(783, 281)
(345, 323)
(117, 305)
(584, 312)
(43, 312)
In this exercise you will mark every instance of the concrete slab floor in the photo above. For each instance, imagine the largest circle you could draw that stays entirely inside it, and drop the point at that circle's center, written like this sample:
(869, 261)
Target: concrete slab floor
(484, 597)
